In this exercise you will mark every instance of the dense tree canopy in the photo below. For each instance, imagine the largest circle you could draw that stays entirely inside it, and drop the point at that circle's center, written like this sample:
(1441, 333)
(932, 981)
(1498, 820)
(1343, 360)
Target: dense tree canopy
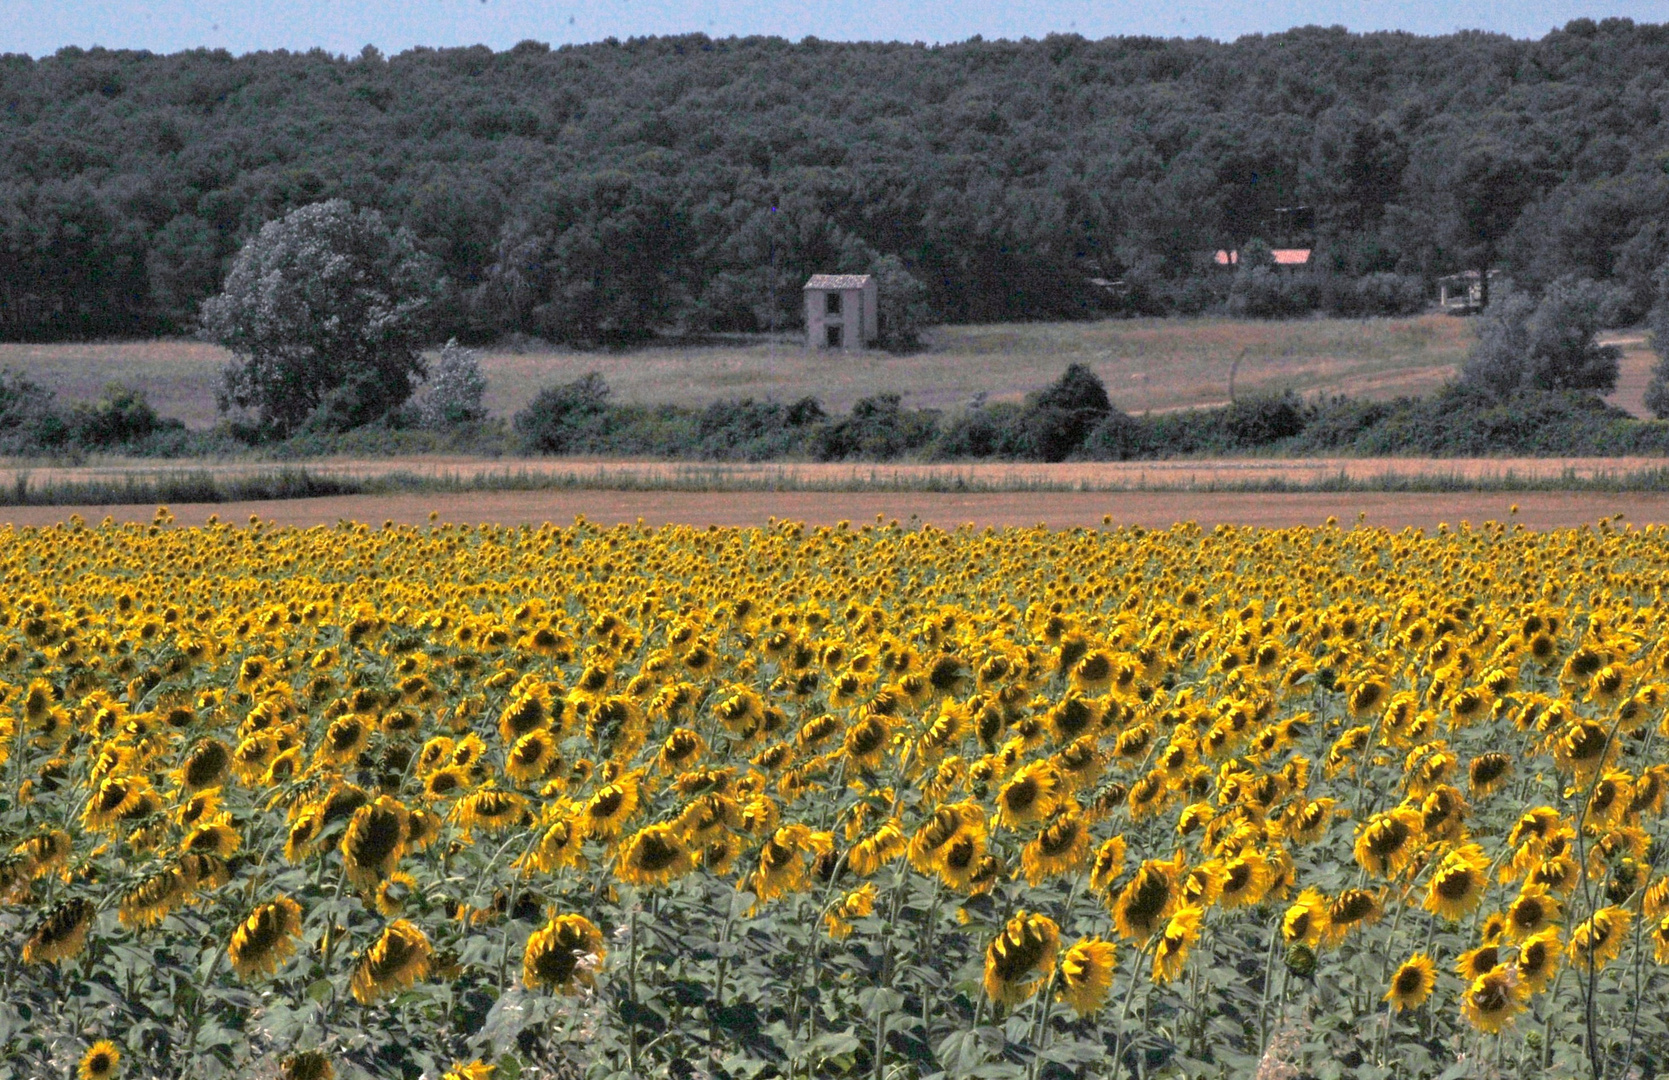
(592, 193)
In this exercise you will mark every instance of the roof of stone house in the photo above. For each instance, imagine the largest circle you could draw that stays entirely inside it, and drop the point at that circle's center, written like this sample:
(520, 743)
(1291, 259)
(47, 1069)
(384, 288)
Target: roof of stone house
(838, 281)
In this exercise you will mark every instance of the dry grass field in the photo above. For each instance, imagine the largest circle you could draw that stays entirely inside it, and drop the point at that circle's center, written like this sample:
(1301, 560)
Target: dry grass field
(1191, 475)
(1147, 364)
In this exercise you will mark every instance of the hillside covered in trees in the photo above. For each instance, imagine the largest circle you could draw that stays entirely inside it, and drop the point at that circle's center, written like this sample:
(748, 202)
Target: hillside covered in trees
(592, 194)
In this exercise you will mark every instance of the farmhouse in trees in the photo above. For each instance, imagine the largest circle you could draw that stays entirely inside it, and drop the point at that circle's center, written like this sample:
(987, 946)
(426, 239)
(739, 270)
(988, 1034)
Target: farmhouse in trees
(841, 311)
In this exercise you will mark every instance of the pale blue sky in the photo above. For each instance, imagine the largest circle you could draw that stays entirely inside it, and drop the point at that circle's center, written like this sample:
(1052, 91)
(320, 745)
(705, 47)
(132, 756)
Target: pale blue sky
(42, 26)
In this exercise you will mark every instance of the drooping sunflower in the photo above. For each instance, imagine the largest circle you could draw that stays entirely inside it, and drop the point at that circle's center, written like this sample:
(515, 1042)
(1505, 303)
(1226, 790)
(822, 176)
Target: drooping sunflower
(563, 955)
(654, 855)
(1060, 847)
(489, 809)
(1598, 939)
(152, 899)
(61, 932)
(1086, 975)
(1147, 901)
(1487, 773)
(213, 837)
(102, 1061)
(1108, 864)
(399, 957)
(1181, 932)
(307, 1065)
(927, 845)
(857, 904)
(264, 940)
(374, 841)
(1412, 983)
(877, 849)
(1493, 999)
(1386, 843)
(962, 858)
(470, 1070)
(1351, 909)
(1020, 958)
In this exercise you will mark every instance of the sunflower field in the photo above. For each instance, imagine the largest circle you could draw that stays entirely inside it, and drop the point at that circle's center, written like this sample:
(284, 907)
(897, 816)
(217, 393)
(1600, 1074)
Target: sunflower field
(880, 801)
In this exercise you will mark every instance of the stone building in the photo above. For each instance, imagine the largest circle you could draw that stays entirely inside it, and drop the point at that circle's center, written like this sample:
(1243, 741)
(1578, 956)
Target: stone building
(841, 312)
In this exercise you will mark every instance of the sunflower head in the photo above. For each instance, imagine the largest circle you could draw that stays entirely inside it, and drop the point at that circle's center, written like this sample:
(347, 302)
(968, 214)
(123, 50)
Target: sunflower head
(1412, 983)
(1020, 957)
(102, 1061)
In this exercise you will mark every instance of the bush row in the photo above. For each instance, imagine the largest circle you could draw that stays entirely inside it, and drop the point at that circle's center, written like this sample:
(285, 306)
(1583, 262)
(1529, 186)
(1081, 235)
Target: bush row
(1073, 420)
(1069, 420)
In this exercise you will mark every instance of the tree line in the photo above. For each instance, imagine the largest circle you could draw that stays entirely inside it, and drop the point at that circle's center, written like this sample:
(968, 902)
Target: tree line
(597, 194)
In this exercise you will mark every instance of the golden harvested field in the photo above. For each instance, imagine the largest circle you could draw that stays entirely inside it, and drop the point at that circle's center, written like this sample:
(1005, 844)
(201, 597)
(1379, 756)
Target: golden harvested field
(1146, 363)
(495, 803)
(1150, 509)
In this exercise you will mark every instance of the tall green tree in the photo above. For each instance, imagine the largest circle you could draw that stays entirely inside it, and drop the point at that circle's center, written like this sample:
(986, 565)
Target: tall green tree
(323, 312)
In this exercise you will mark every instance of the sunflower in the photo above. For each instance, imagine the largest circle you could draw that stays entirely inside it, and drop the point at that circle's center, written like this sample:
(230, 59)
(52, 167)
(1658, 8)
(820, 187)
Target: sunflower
(213, 837)
(782, 861)
(528, 711)
(206, 766)
(375, 839)
(1350, 909)
(263, 941)
(1246, 878)
(446, 782)
(1487, 773)
(1181, 932)
(559, 845)
(117, 798)
(1020, 957)
(654, 855)
(472, 1070)
(153, 898)
(1493, 999)
(1030, 797)
(532, 757)
(866, 741)
(1598, 940)
(927, 845)
(1306, 920)
(61, 932)
(1475, 962)
(961, 859)
(489, 809)
(1412, 983)
(399, 957)
(563, 955)
(857, 904)
(101, 1062)
(877, 849)
(1531, 912)
(1538, 959)
(307, 1065)
(1457, 885)
(606, 812)
(1108, 864)
(1086, 975)
(1060, 847)
(1386, 843)
(1147, 900)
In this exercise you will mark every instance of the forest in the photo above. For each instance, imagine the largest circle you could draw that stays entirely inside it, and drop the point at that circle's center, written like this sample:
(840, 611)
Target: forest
(599, 194)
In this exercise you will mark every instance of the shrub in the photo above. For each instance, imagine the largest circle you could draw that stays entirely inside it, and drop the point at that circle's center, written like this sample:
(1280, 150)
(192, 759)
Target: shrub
(1526, 344)
(28, 423)
(120, 417)
(877, 429)
(565, 419)
(452, 395)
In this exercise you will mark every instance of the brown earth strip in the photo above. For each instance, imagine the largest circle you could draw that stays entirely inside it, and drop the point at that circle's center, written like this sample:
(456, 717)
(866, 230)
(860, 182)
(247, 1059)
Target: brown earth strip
(1538, 510)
